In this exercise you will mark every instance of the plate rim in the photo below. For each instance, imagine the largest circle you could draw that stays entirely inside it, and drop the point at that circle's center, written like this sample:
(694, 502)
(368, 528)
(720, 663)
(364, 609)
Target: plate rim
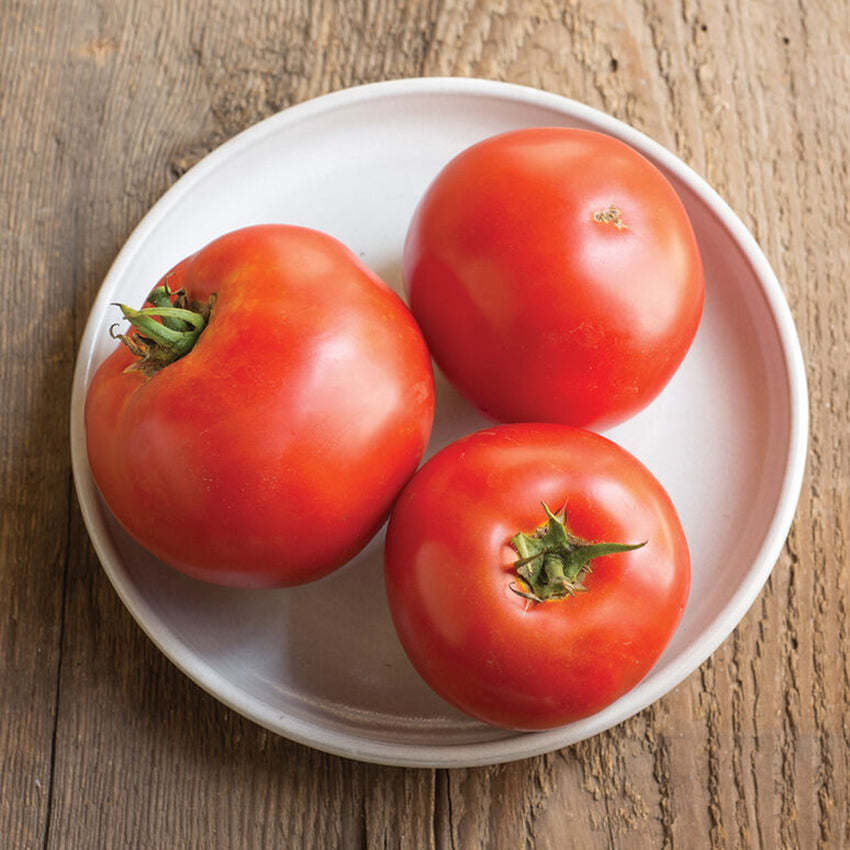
(520, 745)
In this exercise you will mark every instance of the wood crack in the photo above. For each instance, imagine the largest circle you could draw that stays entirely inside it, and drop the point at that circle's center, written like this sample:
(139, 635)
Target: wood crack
(443, 819)
(714, 780)
(789, 733)
(662, 774)
(54, 740)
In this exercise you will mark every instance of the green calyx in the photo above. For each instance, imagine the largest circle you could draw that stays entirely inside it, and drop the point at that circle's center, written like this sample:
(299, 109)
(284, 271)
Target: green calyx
(165, 331)
(552, 563)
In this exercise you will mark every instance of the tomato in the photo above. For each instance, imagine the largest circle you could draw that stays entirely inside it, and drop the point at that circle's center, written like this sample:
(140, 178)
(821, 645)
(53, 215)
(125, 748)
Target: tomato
(272, 451)
(535, 573)
(556, 277)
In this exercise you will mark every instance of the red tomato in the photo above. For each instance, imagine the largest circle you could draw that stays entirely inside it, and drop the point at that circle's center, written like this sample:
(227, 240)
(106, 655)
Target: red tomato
(271, 453)
(468, 614)
(556, 277)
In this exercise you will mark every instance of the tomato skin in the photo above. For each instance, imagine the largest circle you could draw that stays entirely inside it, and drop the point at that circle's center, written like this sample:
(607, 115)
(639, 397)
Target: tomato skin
(272, 452)
(450, 580)
(533, 309)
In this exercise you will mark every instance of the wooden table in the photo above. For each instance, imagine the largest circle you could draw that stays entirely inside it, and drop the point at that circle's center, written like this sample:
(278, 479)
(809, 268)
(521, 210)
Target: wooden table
(103, 743)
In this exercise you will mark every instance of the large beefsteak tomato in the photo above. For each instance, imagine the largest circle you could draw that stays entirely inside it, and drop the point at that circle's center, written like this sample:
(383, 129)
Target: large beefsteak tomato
(556, 277)
(535, 573)
(272, 451)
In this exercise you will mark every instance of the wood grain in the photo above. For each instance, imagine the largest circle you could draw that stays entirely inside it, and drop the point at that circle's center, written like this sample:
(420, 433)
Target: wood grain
(103, 743)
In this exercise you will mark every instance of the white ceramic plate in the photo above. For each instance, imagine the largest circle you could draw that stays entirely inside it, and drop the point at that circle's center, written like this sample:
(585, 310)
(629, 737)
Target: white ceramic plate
(321, 664)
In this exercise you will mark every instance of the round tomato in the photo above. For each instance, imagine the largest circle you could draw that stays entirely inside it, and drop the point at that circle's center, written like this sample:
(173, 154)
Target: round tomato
(556, 277)
(272, 451)
(535, 573)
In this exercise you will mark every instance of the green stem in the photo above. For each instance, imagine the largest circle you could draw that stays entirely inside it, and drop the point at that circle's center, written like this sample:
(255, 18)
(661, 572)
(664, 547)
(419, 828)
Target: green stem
(163, 297)
(553, 564)
(166, 331)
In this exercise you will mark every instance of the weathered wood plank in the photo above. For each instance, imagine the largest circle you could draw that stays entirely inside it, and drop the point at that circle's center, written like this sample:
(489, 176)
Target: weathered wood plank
(37, 352)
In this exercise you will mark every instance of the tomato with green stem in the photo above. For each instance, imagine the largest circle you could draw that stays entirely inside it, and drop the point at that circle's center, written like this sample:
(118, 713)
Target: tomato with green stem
(535, 573)
(271, 400)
